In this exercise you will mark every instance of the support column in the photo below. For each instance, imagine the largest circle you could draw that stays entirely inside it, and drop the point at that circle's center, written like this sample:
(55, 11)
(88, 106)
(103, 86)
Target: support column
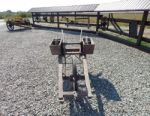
(88, 22)
(33, 19)
(97, 22)
(60, 78)
(87, 80)
(75, 17)
(142, 27)
(58, 20)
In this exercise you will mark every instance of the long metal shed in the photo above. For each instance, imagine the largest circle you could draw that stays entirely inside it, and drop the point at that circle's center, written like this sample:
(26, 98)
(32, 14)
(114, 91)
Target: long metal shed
(119, 6)
(95, 10)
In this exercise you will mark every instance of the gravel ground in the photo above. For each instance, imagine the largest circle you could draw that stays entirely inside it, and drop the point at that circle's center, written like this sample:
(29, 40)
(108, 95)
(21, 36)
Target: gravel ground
(120, 77)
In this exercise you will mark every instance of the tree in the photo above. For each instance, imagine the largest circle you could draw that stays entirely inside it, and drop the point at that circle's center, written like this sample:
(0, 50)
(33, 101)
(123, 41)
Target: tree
(9, 11)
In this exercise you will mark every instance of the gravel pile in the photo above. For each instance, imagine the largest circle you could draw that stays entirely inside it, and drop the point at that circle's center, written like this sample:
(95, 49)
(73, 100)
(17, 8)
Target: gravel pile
(120, 77)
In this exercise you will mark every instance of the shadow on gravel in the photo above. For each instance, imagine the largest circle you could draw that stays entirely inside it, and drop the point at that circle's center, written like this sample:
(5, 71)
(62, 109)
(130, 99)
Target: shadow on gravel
(81, 106)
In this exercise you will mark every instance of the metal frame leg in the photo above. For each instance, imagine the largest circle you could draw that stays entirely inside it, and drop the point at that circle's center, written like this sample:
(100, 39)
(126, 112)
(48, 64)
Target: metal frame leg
(60, 82)
(87, 80)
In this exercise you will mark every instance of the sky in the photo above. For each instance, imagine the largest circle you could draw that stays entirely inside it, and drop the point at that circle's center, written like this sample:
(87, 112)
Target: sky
(25, 5)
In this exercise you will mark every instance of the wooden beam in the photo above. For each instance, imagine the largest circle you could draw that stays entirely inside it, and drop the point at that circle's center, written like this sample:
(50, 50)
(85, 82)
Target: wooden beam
(142, 27)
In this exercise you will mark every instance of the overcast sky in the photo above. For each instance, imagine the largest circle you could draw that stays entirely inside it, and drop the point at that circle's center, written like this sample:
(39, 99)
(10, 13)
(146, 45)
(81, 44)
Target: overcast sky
(25, 5)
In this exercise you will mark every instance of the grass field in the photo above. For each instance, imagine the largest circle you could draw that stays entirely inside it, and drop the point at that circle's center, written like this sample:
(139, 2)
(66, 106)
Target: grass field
(133, 16)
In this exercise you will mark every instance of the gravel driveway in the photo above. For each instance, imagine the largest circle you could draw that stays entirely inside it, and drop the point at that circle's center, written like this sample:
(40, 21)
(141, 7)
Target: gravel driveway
(120, 77)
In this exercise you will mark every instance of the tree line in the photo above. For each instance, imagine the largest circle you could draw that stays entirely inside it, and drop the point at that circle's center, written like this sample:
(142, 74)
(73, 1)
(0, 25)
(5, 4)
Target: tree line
(10, 14)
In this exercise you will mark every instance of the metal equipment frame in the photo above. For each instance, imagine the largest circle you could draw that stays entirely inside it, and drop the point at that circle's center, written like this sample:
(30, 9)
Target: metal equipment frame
(72, 50)
(10, 23)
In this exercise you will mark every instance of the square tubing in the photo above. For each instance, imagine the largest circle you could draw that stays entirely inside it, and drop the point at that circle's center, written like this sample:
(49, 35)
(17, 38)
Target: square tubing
(60, 81)
(97, 22)
(142, 27)
(88, 22)
(58, 20)
(75, 17)
(33, 19)
(87, 80)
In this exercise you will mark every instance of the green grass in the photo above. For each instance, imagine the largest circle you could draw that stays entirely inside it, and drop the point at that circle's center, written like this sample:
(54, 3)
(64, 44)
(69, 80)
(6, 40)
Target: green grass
(132, 40)
(129, 39)
(146, 44)
(143, 43)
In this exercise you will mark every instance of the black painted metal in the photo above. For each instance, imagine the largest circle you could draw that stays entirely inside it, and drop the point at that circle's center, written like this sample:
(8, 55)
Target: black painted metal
(142, 27)
(58, 20)
(32, 18)
(97, 22)
(133, 29)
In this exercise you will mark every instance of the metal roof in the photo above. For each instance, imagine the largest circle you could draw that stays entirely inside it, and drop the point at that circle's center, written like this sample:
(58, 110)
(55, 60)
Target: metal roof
(124, 5)
(76, 8)
(119, 6)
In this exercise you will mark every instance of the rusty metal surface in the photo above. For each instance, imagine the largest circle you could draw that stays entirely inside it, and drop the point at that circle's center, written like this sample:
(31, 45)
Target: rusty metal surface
(124, 5)
(18, 21)
(60, 81)
(55, 47)
(76, 8)
(87, 80)
(86, 46)
(72, 48)
(75, 51)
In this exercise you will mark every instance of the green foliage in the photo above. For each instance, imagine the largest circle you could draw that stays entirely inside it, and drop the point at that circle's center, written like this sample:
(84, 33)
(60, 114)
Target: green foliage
(3, 15)
(23, 14)
(10, 14)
